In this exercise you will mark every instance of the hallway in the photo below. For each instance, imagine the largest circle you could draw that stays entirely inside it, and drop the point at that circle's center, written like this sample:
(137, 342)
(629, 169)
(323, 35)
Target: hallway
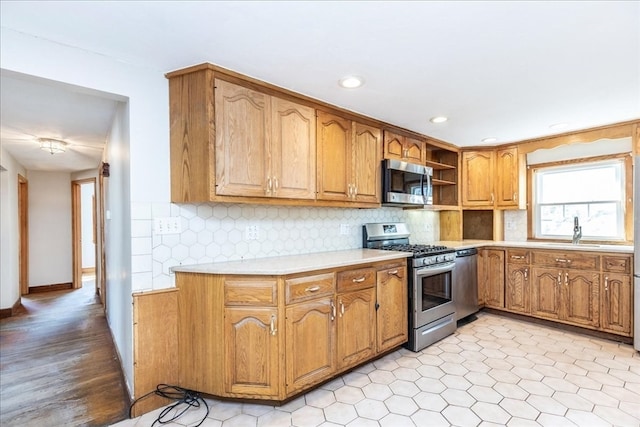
(58, 364)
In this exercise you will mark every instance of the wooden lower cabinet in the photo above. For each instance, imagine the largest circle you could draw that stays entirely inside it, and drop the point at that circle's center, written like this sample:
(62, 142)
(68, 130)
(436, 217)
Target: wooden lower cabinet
(252, 351)
(585, 289)
(616, 296)
(356, 327)
(310, 343)
(517, 297)
(545, 292)
(392, 292)
(493, 277)
(272, 337)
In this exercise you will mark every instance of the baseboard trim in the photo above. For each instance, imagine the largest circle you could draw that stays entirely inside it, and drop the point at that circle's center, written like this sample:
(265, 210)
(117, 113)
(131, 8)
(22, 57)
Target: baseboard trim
(11, 311)
(50, 288)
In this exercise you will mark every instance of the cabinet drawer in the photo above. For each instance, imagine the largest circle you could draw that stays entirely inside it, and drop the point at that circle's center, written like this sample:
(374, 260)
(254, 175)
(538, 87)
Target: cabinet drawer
(309, 287)
(616, 264)
(518, 256)
(356, 279)
(250, 292)
(583, 261)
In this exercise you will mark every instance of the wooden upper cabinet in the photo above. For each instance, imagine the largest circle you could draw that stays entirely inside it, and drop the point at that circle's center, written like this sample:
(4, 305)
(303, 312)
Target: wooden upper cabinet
(477, 178)
(293, 150)
(510, 180)
(265, 146)
(366, 167)
(334, 157)
(242, 161)
(493, 179)
(348, 160)
(403, 148)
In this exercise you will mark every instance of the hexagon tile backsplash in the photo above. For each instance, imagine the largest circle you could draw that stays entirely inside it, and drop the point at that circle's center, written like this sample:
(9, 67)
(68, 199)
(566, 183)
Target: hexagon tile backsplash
(227, 232)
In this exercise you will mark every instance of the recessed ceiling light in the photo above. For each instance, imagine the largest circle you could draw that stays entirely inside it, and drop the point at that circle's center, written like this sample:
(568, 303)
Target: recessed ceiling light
(438, 119)
(490, 139)
(559, 126)
(351, 82)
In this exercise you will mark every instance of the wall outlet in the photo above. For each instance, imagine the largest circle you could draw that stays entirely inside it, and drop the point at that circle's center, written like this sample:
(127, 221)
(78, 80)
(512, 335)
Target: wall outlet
(252, 232)
(168, 225)
(345, 229)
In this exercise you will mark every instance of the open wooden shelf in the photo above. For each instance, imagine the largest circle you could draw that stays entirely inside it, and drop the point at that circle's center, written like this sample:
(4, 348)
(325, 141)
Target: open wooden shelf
(439, 166)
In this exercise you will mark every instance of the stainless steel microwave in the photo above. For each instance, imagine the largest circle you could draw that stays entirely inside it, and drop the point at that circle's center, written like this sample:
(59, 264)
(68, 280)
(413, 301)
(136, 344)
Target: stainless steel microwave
(406, 184)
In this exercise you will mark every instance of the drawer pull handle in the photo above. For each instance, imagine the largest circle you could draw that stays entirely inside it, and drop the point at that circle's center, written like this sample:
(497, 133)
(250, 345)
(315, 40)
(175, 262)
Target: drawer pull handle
(606, 284)
(333, 311)
(517, 256)
(526, 273)
(559, 278)
(272, 326)
(562, 260)
(566, 279)
(315, 288)
(393, 272)
(341, 308)
(358, 280)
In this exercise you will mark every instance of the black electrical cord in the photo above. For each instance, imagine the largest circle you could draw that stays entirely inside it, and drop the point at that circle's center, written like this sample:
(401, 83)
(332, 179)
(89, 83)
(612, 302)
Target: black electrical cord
(182, 396)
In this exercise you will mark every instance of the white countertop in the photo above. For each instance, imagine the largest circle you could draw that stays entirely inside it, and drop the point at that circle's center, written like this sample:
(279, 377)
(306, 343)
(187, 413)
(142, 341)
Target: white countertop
(465, 244)
(291, 264)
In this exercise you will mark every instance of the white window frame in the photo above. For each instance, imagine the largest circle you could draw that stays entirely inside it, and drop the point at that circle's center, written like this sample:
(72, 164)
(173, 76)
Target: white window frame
(576, 166)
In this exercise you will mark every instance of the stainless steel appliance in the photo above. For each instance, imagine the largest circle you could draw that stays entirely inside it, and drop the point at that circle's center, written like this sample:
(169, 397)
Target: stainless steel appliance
(430, 279)
(465, 283)
(636, 253)
(406, 183)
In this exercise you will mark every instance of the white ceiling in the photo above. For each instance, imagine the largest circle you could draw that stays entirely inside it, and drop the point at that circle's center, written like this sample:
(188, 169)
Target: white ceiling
(497, 69)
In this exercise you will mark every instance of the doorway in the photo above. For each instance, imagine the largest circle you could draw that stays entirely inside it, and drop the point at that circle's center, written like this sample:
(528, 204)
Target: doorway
(84, 231)
(23, 234)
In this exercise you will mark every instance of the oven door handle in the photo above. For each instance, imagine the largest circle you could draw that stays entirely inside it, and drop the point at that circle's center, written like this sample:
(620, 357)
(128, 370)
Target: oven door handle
(431, 271)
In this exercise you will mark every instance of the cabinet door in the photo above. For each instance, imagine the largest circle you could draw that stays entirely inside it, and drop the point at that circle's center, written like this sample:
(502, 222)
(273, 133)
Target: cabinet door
(477, 178)
(414, 150)
(293, 150)
(356, 325)
(334, 157)
(507, 178)
(366, 163)
(482, 277)
(495, 278)
(310, 343)
(252, 351)
(242, 161)
(392, 314)
(545, 292)
(581, 297)
(616, 307)
(517, 296)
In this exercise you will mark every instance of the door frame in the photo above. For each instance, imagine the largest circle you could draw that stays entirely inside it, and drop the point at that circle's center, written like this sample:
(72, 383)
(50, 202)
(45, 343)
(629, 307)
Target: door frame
(76, 229)
(23, 234)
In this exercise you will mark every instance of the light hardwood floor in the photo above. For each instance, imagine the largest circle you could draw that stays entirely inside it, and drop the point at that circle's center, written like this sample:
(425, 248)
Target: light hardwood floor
(58, 364)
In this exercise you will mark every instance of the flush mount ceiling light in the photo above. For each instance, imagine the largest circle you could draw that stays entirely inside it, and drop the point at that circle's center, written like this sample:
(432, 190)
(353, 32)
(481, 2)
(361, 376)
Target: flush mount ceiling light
(351, 82)
(53, 146)
(490, 139)
(438, 119)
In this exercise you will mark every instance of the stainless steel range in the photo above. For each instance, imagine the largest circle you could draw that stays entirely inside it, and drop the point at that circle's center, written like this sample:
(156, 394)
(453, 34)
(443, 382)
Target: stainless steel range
(431, 310)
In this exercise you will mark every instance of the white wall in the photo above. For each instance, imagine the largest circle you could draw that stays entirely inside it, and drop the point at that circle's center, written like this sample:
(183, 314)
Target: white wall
(9, 230)
(50, 245)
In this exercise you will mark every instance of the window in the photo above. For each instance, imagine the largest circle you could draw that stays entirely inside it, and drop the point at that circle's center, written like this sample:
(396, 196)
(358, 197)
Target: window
(593, 191)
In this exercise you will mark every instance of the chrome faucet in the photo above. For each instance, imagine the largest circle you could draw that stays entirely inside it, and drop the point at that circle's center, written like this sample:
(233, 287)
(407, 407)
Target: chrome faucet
(577, 231)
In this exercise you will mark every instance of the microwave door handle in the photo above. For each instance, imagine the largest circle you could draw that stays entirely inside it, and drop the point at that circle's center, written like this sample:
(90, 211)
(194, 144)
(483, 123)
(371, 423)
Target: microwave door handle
(422, 188)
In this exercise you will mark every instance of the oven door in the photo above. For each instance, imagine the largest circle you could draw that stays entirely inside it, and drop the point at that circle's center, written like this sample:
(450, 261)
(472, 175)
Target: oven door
(432, 293)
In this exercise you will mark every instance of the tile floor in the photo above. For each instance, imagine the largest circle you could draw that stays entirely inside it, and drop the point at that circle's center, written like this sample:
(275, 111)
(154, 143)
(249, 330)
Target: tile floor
(493, 371)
